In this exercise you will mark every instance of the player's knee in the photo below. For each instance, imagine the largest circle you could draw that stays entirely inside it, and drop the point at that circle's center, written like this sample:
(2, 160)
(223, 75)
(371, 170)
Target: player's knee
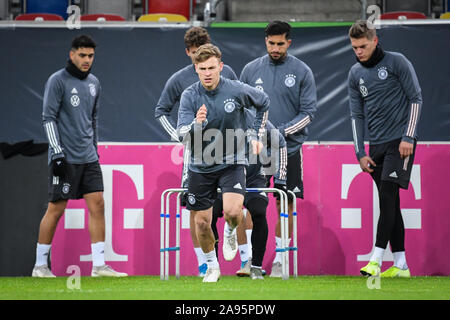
(202, 224)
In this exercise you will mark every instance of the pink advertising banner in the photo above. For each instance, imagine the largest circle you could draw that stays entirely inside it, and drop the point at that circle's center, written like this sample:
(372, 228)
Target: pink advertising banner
(337, 218)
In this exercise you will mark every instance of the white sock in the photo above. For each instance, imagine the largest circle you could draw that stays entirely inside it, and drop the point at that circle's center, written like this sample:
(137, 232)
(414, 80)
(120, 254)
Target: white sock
(377, 256)
(248, 232)
(211, 259)
(278, 246)
(400, 260)
(98, 254)
(42, 251)
(243, 252)
(200, 256)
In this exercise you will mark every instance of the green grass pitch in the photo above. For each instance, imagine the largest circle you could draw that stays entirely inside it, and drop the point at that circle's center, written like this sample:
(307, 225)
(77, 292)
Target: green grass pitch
(228, 288)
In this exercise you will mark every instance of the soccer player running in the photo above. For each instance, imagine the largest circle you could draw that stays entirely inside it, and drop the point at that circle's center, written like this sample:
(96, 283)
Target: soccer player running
(290, 85)
(70, 117)
(384, 92)
(211, 121)
(169, 101)
(274, 159)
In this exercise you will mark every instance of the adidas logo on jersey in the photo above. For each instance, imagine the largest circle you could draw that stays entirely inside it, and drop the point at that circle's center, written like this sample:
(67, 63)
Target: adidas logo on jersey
(361, 81)
(259, 81)
(237, 186)
(74, 91)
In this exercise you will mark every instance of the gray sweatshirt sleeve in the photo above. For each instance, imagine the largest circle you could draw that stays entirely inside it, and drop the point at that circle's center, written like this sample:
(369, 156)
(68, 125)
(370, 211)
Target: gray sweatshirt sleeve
(357, 116)
(95, 118)
(281, 167)
(53, 94)
(410, 84)
(307, 106)
(187, 124)
(259, 100)
(169, 97)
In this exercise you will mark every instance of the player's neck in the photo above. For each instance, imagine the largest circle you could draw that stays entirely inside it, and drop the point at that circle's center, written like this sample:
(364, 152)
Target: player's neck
(75, 72)
(377, 56)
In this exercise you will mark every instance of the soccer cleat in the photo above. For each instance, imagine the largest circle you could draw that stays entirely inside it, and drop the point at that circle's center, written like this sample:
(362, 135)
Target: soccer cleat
(394, 272)
(212, 275)
(202, 270)
(230, 245)
(106, 271)
(277, 271)
(256, 273)
(42, 272)
(244, 271)
(371, 269)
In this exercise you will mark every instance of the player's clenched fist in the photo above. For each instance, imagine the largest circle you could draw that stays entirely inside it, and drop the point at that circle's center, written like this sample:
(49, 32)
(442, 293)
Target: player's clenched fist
(201, 114)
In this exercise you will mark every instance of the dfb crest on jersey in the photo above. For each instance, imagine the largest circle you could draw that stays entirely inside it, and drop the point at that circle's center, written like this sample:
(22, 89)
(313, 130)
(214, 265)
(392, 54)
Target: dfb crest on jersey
(229, 105)
(289, 81)
(382, 73)
(92, 89)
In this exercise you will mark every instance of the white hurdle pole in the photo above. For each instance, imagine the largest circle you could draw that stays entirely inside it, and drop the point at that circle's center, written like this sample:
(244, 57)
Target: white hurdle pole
(165, 227)
(294, 233)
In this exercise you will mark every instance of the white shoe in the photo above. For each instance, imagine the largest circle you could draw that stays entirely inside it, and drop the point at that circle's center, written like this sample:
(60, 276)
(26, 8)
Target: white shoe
(230, 245)
(212, 275)
(277, 271)
(106, 271)
(42, 272)
(244, 271)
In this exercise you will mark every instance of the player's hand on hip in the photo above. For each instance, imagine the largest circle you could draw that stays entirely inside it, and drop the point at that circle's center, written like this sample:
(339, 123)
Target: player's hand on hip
(406, 149)
(257, 146)
(201, 114)
(366, 163)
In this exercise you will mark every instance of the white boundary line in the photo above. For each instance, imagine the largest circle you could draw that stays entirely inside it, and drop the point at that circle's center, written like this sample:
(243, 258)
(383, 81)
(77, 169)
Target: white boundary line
(309, 143)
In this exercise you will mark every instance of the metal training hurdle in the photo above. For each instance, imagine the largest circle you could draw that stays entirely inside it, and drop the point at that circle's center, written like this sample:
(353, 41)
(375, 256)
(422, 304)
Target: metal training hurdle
(165, 227)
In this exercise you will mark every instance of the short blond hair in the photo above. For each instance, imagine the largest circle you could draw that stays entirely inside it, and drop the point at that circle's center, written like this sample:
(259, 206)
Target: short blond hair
(205, 52)
(360, 29)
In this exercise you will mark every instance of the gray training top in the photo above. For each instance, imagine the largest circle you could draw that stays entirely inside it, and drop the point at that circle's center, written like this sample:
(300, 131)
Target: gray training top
(389, 95)
(221, 140)
(172, 91)
(70, 117)
(291, 88)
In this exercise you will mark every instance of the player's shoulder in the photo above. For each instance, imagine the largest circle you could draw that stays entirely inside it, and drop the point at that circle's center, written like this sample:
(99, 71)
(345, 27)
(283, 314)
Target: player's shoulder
(395, 57)
(294, 62)
(181, 74)
(192, 90)
(92, 78)
(355, 69)
(256, 63)
(59, 75)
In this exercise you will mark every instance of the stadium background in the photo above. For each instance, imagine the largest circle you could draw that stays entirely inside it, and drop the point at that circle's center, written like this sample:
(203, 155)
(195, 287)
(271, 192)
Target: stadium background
(134, 61)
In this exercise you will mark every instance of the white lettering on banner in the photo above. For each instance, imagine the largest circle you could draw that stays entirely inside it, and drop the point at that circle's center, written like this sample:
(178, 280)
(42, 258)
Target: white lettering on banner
(136, 173)
(74, 219)
(351, 217)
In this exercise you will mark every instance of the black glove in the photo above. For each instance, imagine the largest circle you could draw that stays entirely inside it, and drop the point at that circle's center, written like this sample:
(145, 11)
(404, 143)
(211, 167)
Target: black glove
(59, 167)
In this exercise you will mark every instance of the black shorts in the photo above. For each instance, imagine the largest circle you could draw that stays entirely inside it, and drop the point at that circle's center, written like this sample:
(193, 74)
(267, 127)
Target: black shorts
(390, 166)
(80, 180)
(294, 169)
(255, 181)
(202, 189)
